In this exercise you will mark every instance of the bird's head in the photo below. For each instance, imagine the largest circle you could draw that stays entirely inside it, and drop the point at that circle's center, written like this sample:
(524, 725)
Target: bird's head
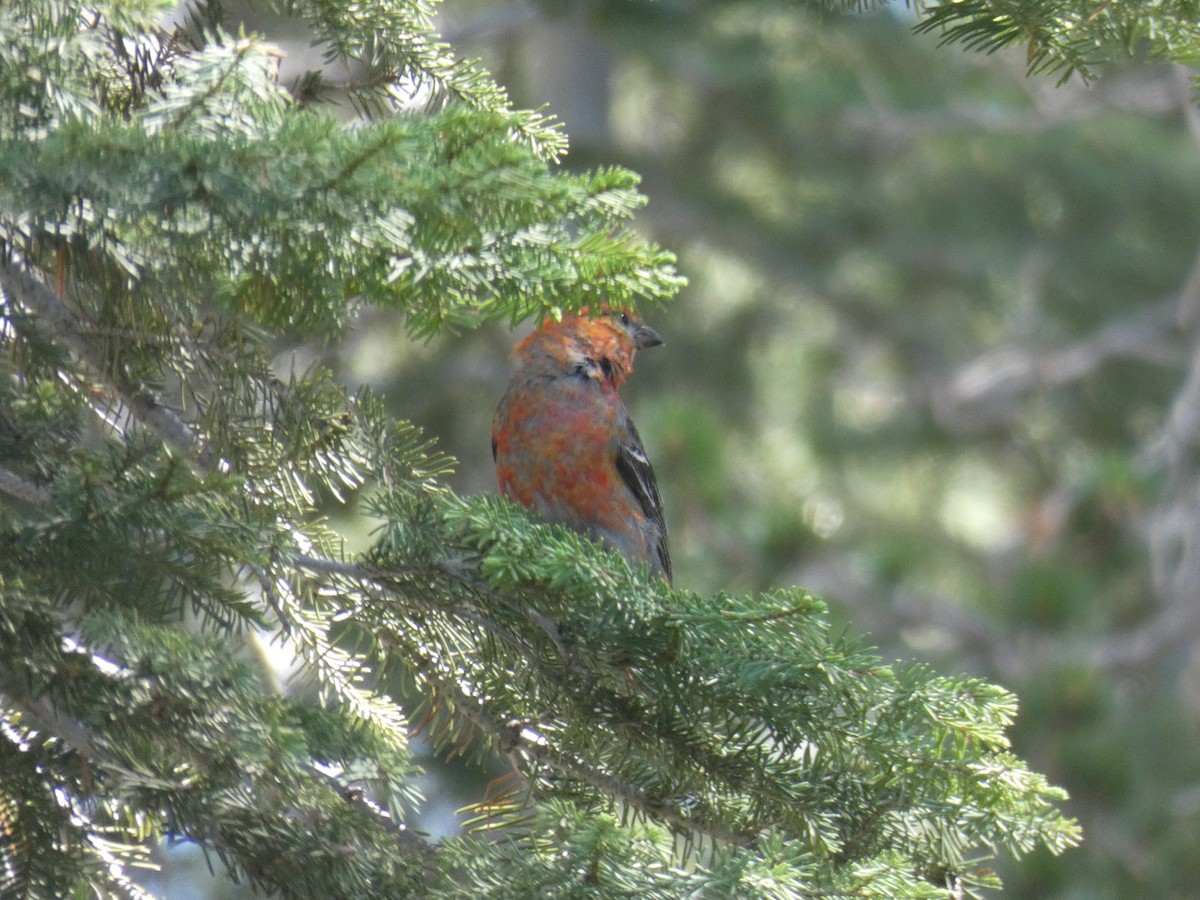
(599, 347)
(642, 335)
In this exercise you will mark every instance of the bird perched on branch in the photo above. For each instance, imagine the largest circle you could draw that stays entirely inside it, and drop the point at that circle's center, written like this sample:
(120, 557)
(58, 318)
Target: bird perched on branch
(564, 444)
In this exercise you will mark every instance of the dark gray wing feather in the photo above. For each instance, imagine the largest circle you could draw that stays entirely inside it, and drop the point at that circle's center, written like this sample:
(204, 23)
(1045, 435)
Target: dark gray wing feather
(635, 470)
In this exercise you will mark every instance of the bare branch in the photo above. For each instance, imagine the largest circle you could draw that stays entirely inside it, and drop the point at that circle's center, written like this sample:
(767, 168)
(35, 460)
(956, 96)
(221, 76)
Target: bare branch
(22, 489)
(491, 23)
(407, 839)
(941, 623)
(984, 392)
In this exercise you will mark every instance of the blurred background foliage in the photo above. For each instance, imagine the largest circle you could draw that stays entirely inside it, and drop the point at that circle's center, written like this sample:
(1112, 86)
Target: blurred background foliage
(936, 323)
(933, 362)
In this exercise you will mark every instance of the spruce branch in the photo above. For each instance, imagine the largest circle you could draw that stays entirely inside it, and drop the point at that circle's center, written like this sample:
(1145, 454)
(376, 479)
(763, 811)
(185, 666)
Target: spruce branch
(43, 713)
(519, 741)
(213, 199)
(34, 294)
(153, 672)
(525, 747)
(747, 754)
(308, 631)
(525, 741)
(394, 577)
(335, 669)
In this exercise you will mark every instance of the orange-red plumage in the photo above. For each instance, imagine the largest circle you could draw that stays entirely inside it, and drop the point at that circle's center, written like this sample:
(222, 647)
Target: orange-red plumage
(564, 443)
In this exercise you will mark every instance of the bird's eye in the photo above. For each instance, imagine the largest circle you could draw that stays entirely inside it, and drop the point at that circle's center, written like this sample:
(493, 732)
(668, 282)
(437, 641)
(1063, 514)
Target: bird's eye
(624, 318)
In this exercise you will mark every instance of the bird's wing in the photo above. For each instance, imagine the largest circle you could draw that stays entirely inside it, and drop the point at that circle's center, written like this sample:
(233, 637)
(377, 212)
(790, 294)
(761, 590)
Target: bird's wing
(635, 470)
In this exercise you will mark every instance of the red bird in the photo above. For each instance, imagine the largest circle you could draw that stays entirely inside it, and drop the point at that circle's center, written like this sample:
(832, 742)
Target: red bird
(564, 444)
